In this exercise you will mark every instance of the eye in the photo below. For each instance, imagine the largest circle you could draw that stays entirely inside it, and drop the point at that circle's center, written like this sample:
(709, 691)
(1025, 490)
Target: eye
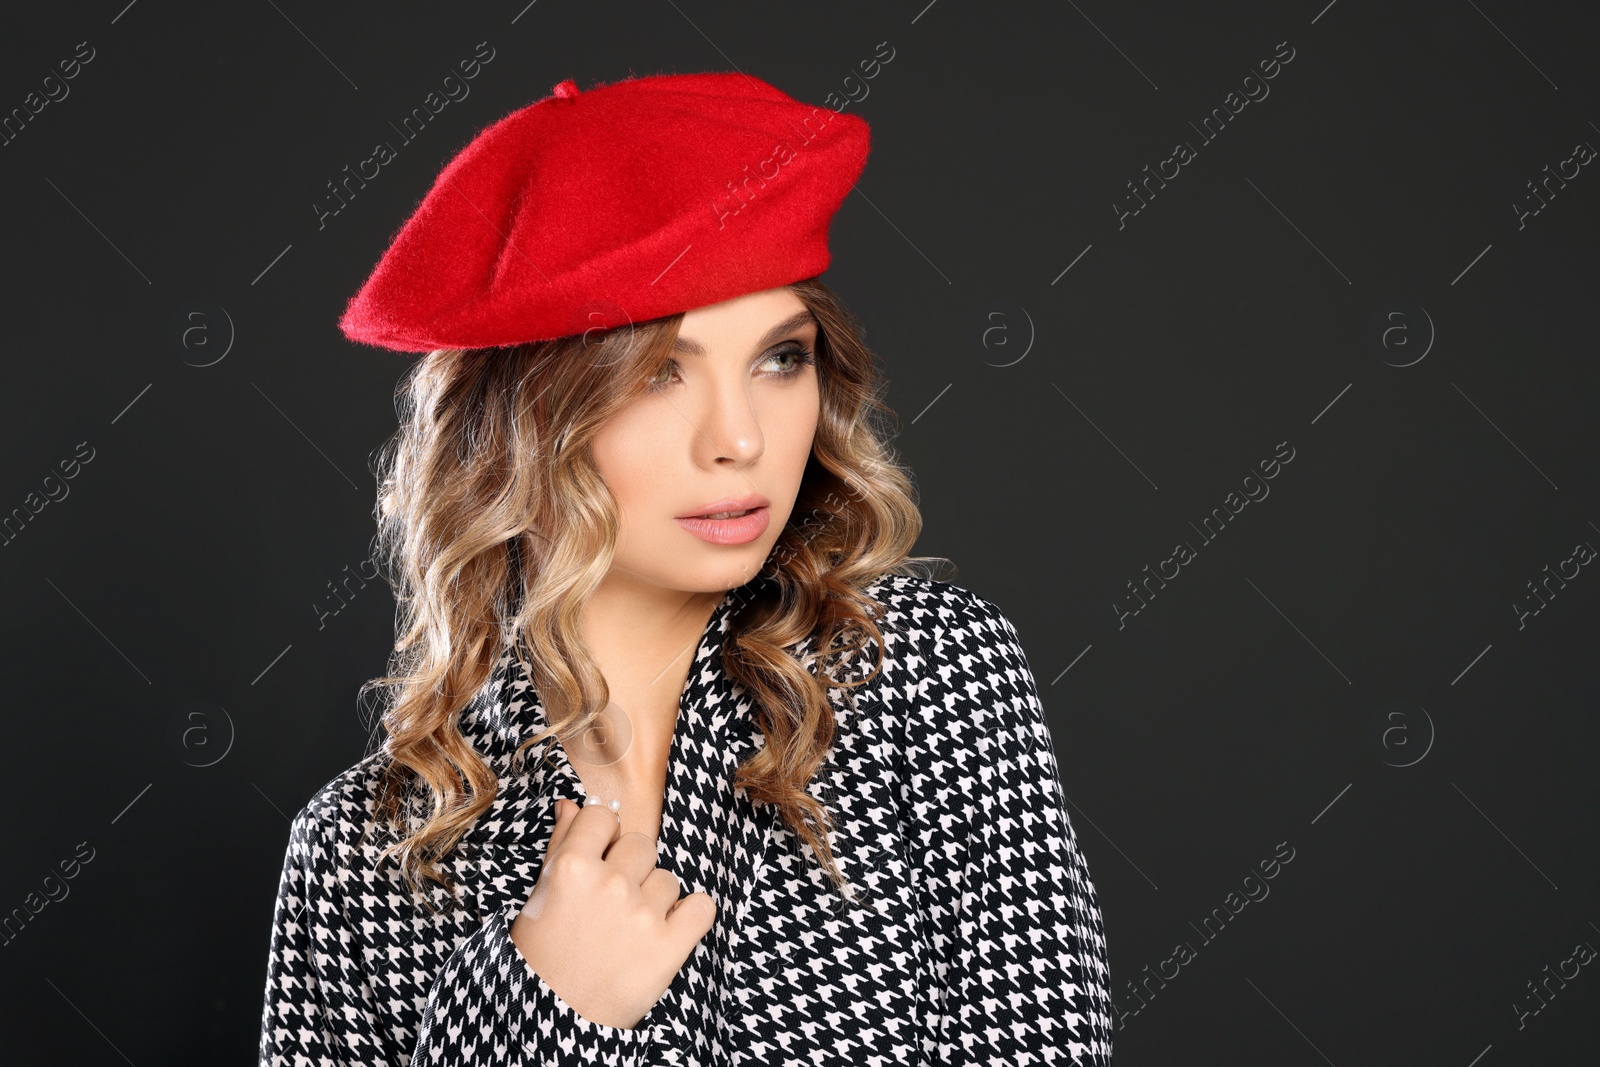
(798, 355)
(658, 383)
(801, 357)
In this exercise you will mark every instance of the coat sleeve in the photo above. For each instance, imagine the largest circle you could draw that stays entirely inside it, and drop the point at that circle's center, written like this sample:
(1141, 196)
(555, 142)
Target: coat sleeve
(484, 1006)
(489, 1006)
(1019, 972)
(318, 1007)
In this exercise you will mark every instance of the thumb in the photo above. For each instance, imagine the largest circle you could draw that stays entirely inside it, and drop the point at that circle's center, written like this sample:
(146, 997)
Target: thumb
(565, 810)
(692, 916)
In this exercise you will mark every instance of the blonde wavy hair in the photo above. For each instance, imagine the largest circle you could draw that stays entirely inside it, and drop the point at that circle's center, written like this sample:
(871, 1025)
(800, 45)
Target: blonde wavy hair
(494, 527)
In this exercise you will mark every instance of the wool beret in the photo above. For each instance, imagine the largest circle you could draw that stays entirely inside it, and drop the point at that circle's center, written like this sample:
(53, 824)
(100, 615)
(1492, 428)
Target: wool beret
(615, 205)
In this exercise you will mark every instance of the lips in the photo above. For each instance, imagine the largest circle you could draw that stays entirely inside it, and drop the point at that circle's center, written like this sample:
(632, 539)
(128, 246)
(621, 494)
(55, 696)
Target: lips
(733, 531)
(748, 502)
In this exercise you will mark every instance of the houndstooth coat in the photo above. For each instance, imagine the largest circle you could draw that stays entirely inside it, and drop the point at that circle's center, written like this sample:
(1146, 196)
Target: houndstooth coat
(979, 939)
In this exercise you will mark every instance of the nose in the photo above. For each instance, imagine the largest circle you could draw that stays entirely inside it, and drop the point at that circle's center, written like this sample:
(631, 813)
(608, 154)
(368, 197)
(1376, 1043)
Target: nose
(727, 425)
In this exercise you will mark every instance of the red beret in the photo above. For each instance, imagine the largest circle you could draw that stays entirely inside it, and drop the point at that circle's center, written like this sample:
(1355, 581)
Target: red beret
(627, 202)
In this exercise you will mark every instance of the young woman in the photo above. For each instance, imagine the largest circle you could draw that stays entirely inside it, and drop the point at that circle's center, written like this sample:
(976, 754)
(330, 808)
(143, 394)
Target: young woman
(687, 760)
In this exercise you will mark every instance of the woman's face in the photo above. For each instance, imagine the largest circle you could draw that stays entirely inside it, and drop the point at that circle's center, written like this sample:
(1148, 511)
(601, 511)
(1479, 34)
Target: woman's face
(730, 418)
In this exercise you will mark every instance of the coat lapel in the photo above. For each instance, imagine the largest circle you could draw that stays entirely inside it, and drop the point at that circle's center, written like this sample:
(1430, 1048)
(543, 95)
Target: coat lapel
(713, 839)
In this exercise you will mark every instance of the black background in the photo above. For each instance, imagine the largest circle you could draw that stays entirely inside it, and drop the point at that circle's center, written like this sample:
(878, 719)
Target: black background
(177, 683)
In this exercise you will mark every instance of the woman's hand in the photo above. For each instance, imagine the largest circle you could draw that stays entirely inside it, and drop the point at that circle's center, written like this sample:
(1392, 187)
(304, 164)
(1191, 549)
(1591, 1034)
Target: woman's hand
(605, 927)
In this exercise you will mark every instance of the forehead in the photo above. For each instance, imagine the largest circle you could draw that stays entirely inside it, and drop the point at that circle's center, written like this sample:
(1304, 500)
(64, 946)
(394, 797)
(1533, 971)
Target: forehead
(755, 319)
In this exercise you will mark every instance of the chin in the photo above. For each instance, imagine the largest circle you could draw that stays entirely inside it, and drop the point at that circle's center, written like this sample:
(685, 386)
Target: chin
(729, 569)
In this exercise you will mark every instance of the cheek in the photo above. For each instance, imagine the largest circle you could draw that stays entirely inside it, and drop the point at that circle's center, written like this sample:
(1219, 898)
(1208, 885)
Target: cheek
(796, 428)
(625, 452)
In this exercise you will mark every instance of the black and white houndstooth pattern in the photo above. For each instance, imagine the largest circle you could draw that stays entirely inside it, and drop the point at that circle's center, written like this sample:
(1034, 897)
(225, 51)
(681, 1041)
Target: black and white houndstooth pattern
(978, 938)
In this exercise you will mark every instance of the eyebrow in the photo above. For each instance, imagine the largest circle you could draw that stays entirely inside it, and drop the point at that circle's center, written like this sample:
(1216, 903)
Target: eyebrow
(788, 325)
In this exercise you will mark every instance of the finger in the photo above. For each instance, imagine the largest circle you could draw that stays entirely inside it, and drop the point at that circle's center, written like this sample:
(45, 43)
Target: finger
(692, 916)
(633, 853)
(565, 810)
(593, 829)
(661, 891)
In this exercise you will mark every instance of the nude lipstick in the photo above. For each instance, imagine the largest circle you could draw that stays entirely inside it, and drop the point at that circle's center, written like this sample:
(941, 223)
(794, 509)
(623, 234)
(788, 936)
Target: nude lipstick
(735, 528)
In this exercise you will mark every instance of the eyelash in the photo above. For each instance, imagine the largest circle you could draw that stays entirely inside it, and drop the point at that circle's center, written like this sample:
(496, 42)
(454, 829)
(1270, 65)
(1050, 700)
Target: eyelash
(804, 357)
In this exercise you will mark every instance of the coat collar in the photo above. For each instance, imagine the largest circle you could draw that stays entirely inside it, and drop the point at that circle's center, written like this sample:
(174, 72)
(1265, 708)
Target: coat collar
(713, 839)
(508, 709)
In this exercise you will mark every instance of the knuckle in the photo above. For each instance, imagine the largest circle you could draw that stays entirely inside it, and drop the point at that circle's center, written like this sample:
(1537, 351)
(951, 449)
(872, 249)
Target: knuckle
(567, 864)
(615, 884)
(642, 836)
